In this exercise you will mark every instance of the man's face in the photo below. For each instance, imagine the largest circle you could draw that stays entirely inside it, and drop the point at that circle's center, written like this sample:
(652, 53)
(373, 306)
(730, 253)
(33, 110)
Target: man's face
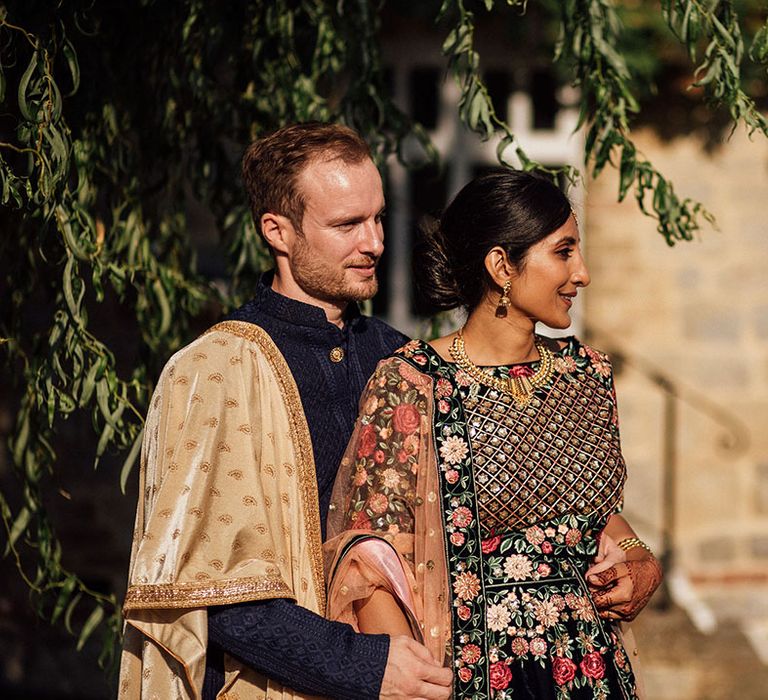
(334, 256)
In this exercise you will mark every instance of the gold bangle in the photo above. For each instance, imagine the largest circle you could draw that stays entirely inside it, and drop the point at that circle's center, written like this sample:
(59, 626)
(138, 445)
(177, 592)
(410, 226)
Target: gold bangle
(630, 542)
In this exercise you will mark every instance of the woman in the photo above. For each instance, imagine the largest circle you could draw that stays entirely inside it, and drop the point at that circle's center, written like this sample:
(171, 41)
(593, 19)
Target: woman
(485, 467)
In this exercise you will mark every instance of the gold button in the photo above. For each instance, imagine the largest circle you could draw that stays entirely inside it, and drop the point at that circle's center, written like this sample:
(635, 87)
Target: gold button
(430, 565)
(337, 354)
(435, 631)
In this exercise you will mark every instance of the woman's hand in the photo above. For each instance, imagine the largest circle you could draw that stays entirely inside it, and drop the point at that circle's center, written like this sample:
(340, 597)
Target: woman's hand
(620, 582)
(608, 554)
(622, 591)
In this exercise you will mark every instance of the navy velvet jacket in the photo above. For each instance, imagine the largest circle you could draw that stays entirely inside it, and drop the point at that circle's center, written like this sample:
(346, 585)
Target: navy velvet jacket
(280, 639)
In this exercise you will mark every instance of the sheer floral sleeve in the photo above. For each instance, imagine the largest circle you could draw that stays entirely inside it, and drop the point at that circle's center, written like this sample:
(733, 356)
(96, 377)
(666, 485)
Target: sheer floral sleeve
(383, 526)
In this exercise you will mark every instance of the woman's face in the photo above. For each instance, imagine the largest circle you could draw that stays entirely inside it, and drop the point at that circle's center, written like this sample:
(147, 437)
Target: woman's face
(553, 271)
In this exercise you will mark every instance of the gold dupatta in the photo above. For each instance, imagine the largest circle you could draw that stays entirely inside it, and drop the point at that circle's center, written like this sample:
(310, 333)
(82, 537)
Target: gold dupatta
(228, 511)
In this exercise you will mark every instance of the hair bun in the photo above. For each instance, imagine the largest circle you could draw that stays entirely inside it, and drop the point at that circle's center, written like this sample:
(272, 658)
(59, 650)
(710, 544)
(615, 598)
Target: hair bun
(436, 285)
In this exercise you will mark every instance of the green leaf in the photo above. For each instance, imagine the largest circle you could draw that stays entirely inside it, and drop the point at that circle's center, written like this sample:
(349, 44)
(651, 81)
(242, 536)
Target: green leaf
(65, 595)
(19, 526)
(70, 610)
(626, 170)
(69, 278)
(21, 438)
(164, 306)
(130, 460)
(96, 616)
(758, 52)
(74, 67)
(65, 227)
(24, 108)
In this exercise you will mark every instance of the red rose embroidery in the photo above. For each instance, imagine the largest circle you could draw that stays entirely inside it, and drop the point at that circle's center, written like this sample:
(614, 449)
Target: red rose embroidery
(378, 456)
(465, 674)
(521, 371)
(402, 456)
(451, 476)
(546, 547)
(367, 441)
(490, 544)
(593, 666)
(563, 670)
(406, 418)
(500, 675)
(443, 406)
(464, 612)
(457, 539)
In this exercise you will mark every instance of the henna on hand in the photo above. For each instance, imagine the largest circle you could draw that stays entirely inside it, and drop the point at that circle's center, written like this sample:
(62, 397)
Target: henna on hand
(623, 590)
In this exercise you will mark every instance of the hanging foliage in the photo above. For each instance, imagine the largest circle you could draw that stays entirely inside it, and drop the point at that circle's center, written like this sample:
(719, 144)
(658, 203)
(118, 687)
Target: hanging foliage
(117, 116)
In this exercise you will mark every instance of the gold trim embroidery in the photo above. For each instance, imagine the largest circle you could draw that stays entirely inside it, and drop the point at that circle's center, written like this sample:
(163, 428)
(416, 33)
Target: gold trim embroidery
(193, 595)
(300, 438)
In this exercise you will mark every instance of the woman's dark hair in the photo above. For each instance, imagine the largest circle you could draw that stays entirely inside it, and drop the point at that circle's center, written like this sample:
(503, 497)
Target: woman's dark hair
(507, 208)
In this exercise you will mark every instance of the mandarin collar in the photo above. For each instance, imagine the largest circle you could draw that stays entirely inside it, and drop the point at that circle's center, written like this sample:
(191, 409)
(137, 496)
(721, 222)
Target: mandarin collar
(296, 312)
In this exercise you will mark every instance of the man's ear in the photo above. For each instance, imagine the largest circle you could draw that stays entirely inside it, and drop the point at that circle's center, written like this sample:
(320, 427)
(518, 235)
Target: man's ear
(278, 232)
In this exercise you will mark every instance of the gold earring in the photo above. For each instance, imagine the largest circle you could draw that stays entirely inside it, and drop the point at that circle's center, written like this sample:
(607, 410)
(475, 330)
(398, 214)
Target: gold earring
(504, 301)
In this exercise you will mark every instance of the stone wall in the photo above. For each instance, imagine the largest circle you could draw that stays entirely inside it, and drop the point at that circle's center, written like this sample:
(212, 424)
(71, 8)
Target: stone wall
(697, 312)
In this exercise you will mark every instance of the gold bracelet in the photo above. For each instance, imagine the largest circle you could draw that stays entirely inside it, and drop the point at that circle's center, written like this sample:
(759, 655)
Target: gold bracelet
(630, 542)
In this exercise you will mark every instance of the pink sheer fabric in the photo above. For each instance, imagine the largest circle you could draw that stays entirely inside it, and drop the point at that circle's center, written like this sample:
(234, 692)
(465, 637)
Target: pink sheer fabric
(387, 490)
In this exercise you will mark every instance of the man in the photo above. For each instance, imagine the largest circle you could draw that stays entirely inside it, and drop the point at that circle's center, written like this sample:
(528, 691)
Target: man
(244, 434)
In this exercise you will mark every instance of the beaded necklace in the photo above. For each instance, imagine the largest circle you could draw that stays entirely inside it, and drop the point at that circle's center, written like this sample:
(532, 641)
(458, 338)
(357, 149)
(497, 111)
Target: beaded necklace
(519, 388)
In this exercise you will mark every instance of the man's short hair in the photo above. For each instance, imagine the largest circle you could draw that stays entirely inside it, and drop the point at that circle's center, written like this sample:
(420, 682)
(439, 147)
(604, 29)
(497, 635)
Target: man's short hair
(272, 165)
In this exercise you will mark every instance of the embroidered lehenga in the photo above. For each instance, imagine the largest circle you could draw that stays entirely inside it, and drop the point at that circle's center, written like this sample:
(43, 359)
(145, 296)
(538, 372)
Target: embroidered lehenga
(481, 516)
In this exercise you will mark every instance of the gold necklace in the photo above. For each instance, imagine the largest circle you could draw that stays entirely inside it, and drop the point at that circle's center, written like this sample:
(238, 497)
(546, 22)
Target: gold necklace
(519, 388)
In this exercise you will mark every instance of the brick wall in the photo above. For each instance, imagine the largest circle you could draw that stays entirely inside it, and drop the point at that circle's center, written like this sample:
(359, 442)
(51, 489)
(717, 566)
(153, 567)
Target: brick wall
(699, 313)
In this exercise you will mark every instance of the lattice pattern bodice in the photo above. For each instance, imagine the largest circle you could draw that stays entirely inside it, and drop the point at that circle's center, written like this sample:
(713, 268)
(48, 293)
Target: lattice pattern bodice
(558, 455)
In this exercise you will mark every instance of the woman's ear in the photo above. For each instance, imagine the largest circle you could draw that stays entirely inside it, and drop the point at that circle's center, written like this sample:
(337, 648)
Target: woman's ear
(498, 266)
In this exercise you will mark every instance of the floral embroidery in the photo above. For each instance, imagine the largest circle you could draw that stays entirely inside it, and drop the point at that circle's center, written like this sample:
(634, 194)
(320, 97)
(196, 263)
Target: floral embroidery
(519, 598)
(470, 654)
(563, 670)
(453, 449)
(461, 517)
(466, 586)
(406, 418)
(593, 666)
(500, 675)
(518, 567)
(498, 617)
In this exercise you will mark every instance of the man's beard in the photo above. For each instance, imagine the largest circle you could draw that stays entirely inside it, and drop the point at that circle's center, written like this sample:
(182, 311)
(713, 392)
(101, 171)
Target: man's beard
(328, 284)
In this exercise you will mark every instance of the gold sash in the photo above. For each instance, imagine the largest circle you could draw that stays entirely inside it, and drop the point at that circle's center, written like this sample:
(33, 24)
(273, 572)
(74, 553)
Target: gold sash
(228, 512)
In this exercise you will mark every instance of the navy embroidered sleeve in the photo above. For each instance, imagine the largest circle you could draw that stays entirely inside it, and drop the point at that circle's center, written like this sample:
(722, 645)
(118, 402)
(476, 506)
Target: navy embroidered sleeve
(300, 649)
